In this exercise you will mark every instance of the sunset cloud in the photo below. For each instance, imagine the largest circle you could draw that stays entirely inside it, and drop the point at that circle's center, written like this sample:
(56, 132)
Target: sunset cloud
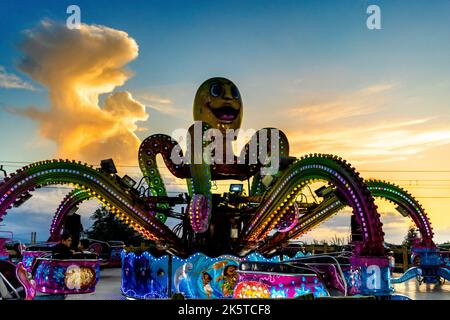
(395, 227)
(77, 66)
(370, 143)
(362, 102)
(334, 126)
(162, 105)
(12, 81)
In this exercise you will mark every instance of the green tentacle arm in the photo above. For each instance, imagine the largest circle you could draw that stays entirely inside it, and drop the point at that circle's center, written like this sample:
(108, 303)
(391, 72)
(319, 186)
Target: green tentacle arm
(257, 187)
(200, 206)
(407, 205)
(103, 186)
(70, 201)
(318, 167)
(149, 149)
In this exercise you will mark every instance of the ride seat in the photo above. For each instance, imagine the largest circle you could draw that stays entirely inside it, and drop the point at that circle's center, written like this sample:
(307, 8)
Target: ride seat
(11, 281)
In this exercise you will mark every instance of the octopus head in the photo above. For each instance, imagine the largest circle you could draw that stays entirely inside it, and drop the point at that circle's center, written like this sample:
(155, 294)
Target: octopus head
(218, 103)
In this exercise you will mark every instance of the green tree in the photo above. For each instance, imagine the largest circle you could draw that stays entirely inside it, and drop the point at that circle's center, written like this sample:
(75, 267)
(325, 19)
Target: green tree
(107, 227)
(411, 237)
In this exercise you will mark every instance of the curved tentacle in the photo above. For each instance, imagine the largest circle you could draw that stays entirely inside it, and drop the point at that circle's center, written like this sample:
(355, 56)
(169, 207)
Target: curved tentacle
(306, 222)
(71, 200)
(138, 215)
(409, 274)
(314, 218)
(200, 206)
(255, 145)
(407, 202)
(289, 219)
(149, 149)
(325, 167)
(393, 193)
(444, 273)
(379, 189)
(164, 145)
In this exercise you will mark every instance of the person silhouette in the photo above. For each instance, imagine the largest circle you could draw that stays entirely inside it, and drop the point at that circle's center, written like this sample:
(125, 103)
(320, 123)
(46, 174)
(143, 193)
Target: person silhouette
(73, 225)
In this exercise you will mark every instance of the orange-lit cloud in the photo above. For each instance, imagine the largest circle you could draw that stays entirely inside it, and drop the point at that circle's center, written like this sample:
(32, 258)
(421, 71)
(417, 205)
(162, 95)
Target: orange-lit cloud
(336, 126)
(362, 102)
(77, 66)
(369, 129)
(371, 144)
(395, 227)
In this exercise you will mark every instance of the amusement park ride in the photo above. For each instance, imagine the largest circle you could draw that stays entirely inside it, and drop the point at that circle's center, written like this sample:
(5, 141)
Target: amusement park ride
(230, 244)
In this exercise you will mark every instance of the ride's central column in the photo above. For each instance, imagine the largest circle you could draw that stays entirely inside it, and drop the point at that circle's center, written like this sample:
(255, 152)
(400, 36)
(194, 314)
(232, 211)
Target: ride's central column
(429, 263)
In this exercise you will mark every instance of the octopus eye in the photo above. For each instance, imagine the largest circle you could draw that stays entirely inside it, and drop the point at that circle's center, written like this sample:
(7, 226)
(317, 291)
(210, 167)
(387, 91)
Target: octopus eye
(235, 92)
(215, 90)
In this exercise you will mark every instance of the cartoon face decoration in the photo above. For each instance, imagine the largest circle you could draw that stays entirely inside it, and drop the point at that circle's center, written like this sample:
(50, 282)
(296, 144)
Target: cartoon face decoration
(218, 103)
(231, 270)
(79, 277)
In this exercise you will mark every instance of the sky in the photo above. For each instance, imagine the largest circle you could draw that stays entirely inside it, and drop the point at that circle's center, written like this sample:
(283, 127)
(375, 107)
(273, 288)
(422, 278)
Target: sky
(378, 98)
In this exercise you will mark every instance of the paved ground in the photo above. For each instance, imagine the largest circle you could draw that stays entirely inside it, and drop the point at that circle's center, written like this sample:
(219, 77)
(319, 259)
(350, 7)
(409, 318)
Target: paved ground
(108, 288)
(412, 289)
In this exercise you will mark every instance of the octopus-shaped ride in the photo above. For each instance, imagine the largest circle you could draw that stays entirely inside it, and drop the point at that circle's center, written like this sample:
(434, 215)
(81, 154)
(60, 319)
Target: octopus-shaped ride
(233, 223)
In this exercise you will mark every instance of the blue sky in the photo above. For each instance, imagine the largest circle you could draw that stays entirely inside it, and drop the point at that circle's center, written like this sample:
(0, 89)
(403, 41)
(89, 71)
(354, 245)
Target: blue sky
(295, 63)
(184, 42)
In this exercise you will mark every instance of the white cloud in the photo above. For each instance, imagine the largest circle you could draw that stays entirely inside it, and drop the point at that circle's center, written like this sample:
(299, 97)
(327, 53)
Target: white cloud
(162, 105)
(12, 81)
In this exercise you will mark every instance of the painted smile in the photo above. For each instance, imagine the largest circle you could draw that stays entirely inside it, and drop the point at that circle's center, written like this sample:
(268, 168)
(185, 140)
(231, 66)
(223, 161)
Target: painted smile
(225, 113)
